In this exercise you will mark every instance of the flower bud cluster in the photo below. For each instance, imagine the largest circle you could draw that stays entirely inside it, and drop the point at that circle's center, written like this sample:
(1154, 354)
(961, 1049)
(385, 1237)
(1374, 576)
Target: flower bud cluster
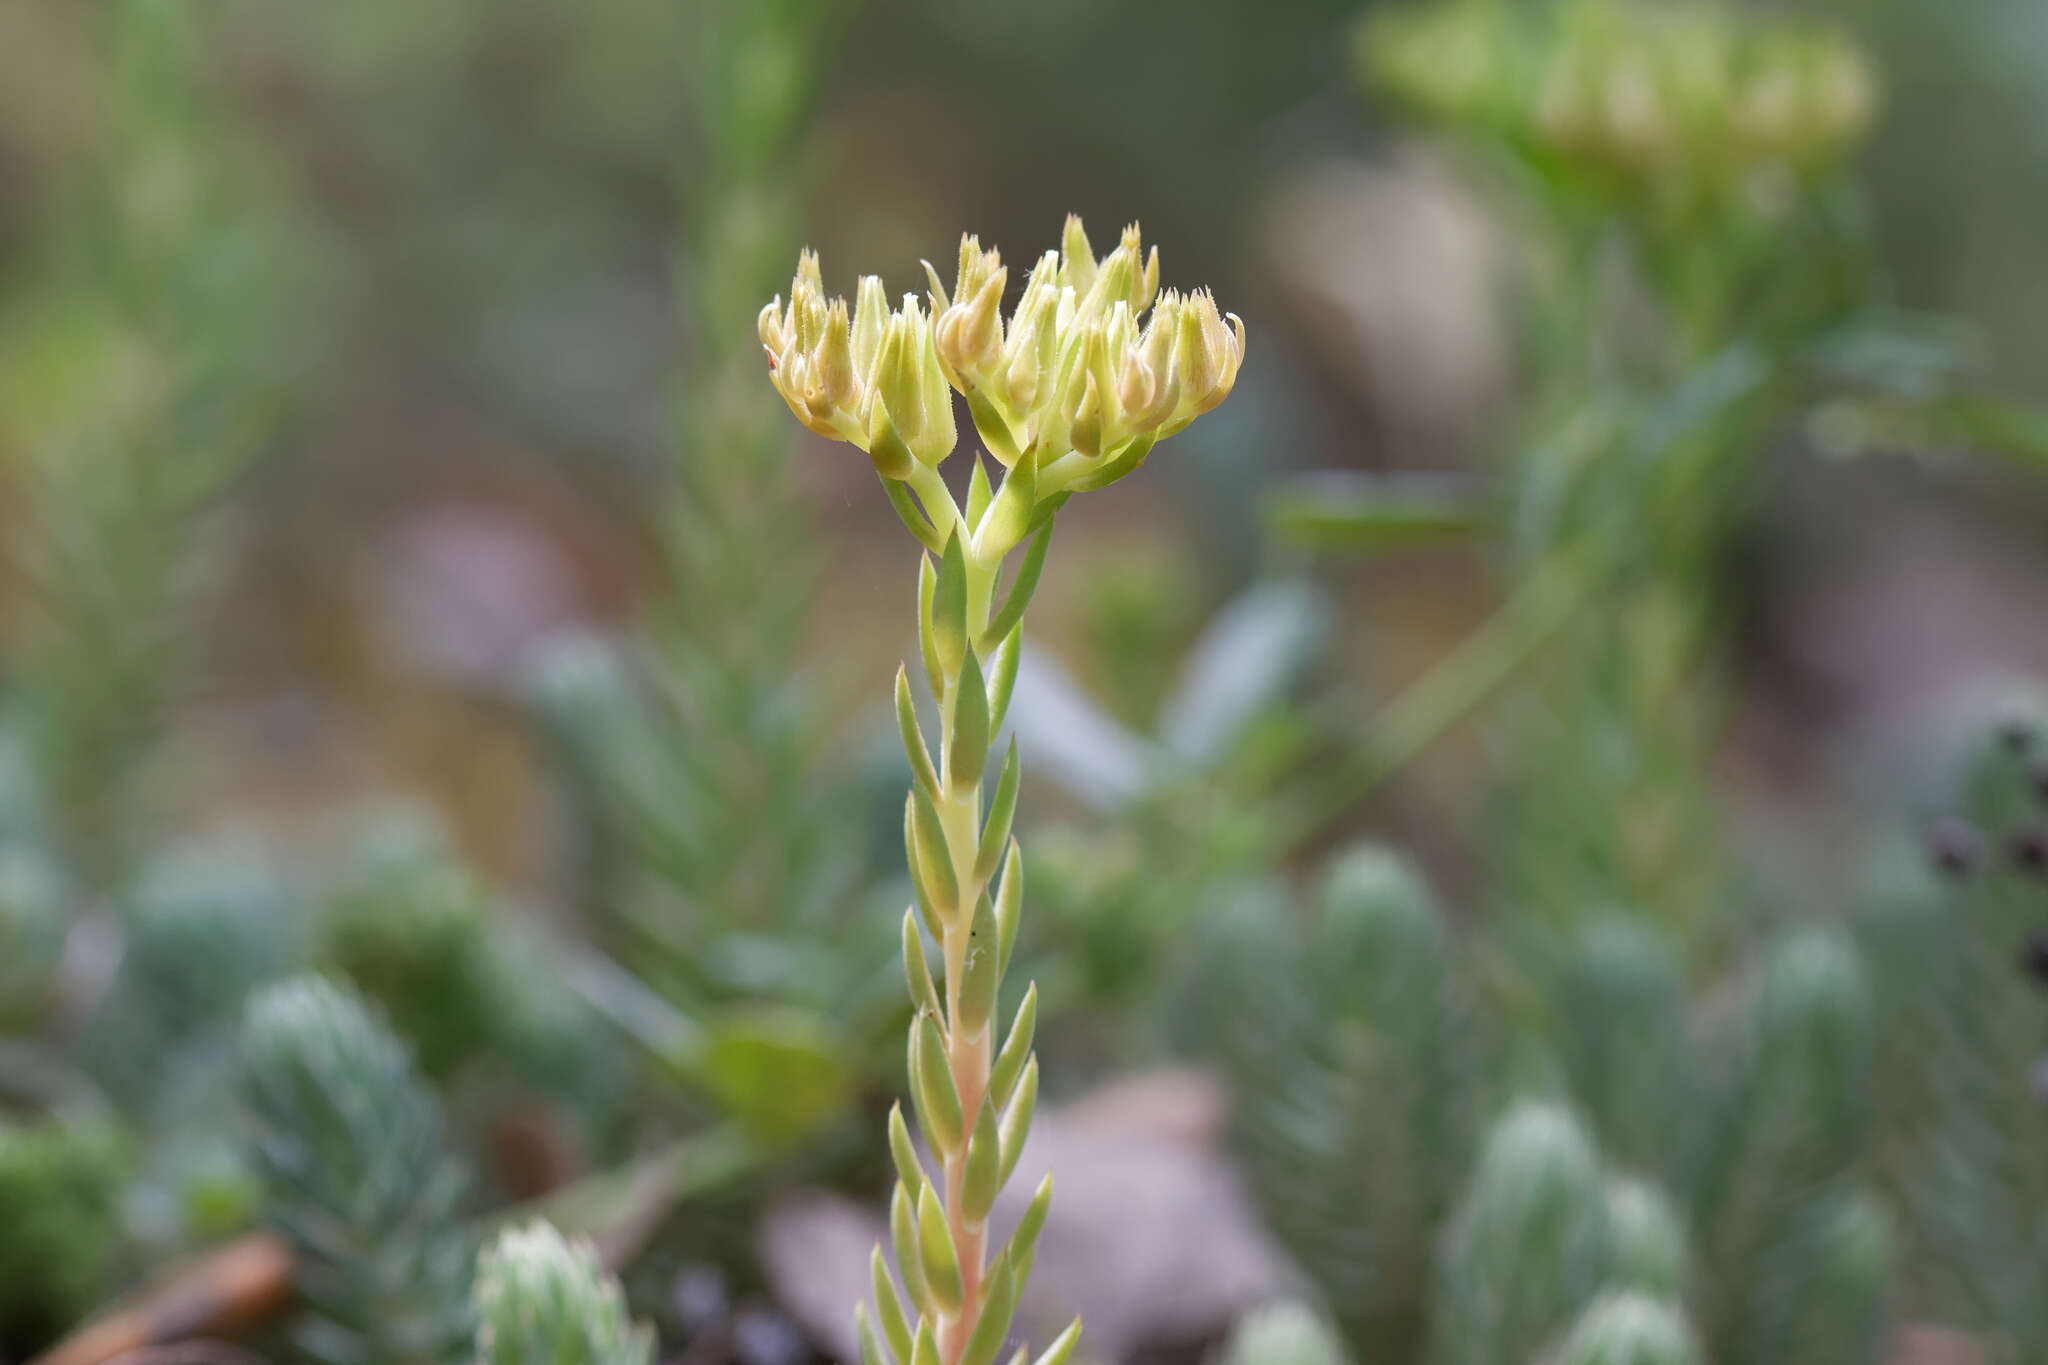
(1093, 361)
(1641, 92)
(872, 379)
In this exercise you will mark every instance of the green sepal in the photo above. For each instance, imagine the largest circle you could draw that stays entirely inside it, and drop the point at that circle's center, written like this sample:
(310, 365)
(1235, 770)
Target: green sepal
(924, 994)
(895, 1329)
(967, 754)
(903, 1237)
(1009, 905)
(914, 749)
(927, 590)
(913, 515)
(1002, 677)
(870, 1353)
(893, 460)
(1016, 1121)
(1062, 1346)
(1117, 465)
(982, 971)
(979, 1184)
(1009, 1063)
(932, 1091)
(979, 493)
(941, 1261)
(992, 427)
(1010, 516)
(949, 607)
(908, 1169)
(1002, 809)
(1021, 588)
(929, 860)
(998, 1306)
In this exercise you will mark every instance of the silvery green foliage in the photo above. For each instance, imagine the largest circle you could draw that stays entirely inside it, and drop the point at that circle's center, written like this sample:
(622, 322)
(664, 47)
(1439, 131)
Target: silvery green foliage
(1285, 1333)
(1352, 1054)
(1650, 1248)
(1621, 1037)
(541, 1300)
(1789, 1134)
(1963, 1035)
(32, 925)
(205, 926)
(467, 982)
(351, 1147)
(1528, 1247)
(1716, 1158)
(1822, 1292)
(1628, 1329)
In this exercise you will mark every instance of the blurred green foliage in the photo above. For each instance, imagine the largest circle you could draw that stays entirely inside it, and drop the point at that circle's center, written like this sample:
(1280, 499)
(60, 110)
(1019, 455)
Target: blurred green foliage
(60, 1196)
(1643, 1110)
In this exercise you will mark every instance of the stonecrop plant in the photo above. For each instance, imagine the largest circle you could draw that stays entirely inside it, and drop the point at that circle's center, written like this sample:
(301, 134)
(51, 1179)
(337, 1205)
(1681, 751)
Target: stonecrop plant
(1093, 366)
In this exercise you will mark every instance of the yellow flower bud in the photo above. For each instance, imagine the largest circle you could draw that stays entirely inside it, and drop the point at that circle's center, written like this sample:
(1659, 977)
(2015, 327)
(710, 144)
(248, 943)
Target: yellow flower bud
(1077, 258)
(910, 385)
(1085, 430)
(870, 320)
(1206, 356)
(774, 335)
(1093, 365)
(838, 381)
(970, 333)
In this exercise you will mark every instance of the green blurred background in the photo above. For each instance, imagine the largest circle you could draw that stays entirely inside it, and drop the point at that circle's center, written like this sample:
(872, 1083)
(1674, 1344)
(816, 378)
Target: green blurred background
(378, 388)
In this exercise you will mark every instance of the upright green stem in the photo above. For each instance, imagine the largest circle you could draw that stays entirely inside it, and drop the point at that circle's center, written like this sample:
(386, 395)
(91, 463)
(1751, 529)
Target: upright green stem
(973, 1102)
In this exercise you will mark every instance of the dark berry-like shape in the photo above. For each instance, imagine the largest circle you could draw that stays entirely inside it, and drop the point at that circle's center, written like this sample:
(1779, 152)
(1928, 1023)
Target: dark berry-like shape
(1954, 846)
(2016, 734)
(2029, 849)
(2034, 956)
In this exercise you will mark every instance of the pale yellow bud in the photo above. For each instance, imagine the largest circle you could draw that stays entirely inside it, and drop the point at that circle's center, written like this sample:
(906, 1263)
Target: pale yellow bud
(940, 435)
(1020, 376)
(1137, 386)
(976, 266)
(1092, 366)
(970, 335)
(1086, 431)
(897, 382)
(870, 320)
(912, 388)
(1206, 358)
(838, 382)
(807, 312)
(1077, 258)
(774, 331)
(1195, 362)
(1119, 277)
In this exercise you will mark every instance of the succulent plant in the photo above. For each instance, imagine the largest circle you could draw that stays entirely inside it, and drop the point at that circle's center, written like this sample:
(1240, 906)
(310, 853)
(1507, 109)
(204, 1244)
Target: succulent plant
(542, 1300)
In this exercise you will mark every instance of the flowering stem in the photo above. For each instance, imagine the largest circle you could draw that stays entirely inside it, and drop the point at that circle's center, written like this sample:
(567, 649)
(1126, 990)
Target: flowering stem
(1093, 368)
